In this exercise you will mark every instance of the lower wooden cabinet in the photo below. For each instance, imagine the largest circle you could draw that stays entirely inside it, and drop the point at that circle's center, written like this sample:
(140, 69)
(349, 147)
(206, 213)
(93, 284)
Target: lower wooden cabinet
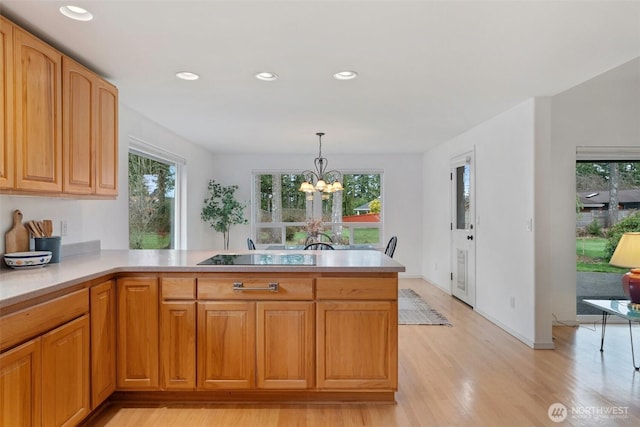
(285, 345)
(20, 385)
(357, 345)
(44, 367)
(65, 374)
(137, 324)
(178, 345)
(239, 342)
(357, 333)
(45, 381)
(226, 345)
(261, 345)
(313, 337)
(103, 341)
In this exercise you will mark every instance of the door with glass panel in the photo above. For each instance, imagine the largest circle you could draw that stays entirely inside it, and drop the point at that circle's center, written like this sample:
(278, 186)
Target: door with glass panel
(463, 236)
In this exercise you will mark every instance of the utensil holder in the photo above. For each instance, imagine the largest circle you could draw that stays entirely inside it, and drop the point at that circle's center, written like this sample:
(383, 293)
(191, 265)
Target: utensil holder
(49, 244)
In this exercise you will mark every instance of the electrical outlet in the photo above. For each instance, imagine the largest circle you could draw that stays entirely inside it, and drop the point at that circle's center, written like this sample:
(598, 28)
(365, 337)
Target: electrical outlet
(63, 228)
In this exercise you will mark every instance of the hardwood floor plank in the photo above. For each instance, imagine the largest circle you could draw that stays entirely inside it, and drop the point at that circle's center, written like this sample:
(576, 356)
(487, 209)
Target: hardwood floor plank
(472, 373)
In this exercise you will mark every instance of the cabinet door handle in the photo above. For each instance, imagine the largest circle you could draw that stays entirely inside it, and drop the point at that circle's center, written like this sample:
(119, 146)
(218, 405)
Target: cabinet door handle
(239, 286)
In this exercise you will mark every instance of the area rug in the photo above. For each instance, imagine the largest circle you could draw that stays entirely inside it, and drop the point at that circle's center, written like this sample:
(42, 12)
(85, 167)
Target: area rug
(413, 310)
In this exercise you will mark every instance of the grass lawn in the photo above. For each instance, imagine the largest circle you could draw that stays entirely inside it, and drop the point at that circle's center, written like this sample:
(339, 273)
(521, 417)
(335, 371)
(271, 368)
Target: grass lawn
(156, 241)
(591, 258)
(360, 236)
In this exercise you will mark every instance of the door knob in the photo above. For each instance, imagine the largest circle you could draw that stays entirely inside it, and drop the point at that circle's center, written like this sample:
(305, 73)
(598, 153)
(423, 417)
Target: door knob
(469, 237)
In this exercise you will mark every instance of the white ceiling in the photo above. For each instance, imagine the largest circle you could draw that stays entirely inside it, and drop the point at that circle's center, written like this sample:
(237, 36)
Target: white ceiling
(428, 70)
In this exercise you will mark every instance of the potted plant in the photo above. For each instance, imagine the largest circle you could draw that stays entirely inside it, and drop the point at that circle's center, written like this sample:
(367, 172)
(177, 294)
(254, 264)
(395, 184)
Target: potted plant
(221, 210)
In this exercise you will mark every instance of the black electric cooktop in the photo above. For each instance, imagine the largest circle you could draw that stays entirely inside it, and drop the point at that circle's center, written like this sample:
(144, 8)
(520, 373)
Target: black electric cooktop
(260, 259)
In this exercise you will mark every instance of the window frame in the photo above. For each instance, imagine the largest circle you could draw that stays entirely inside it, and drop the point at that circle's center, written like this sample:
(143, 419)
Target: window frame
(142, 148)
(352, 226)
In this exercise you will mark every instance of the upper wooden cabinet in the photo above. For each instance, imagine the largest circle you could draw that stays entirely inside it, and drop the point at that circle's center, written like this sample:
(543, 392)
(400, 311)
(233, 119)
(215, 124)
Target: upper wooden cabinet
(38, 114)
(6, 100)
(78, 102)
(59, 122)
(90, 148)
(106, 139)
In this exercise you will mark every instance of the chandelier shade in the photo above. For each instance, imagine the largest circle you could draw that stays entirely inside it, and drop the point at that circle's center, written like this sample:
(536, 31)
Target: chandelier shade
(321, 180)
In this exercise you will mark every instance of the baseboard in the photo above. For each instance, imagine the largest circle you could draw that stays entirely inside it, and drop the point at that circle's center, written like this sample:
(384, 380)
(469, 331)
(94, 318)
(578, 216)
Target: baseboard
(253, 396)
(572, 323)
(409, 276)
(536, 345)
(437, 285)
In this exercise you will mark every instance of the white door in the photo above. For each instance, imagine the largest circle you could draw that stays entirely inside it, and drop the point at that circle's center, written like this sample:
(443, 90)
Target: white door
(463, 236)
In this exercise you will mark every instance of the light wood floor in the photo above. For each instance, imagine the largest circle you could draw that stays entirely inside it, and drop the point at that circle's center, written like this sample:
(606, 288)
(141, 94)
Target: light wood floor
(470, 374)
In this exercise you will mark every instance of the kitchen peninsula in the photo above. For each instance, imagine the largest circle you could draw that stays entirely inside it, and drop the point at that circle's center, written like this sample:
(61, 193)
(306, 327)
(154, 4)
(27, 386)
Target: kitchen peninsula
(150, 326)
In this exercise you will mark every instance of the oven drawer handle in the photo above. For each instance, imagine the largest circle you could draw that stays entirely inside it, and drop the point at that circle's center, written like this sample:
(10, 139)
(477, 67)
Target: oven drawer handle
(239, 286)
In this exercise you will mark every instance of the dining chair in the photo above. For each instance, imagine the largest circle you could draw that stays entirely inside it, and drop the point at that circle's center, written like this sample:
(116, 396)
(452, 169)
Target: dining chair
(320, 246)
(391, 246)
(250, 244)
(320, 237)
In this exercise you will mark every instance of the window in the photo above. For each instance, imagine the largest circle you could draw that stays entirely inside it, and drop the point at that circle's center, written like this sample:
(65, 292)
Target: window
(607, 193)
(154, 202)
(281, 211)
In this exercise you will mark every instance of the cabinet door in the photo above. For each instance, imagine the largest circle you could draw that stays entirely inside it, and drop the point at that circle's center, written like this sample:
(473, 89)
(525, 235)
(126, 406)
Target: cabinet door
(38, 118)
(106, 119)
(357, 345)
(20, 381)
(178, 345)
(65, 374)
(103, 342)
(78, 128)
(285, 335)
(137, 333)
(226, 345)
(6, 103)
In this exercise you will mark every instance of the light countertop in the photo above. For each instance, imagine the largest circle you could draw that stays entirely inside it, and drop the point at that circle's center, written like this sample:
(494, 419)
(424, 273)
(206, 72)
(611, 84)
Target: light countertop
(20, 285)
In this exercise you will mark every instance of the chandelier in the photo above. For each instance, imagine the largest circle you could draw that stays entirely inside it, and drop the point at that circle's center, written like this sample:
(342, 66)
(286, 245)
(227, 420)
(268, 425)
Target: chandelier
(321, 180)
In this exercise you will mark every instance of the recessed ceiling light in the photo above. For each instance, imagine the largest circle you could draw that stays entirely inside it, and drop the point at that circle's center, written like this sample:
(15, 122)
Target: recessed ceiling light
(77, 13)
(345, 75)
(187, 75)
(266, 76)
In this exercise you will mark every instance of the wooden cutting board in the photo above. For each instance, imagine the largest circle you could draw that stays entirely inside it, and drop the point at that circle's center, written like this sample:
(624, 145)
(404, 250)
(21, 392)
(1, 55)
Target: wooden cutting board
(16, 239)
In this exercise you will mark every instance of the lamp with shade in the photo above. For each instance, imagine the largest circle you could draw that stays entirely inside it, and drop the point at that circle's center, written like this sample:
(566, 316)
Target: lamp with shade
(627, 254)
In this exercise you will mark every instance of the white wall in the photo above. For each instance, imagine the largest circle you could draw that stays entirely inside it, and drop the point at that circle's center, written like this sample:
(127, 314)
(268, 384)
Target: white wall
(526, 171)
(107, 220)
(505, 243)
(401, 193)
(199, 169)
(601, 112)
